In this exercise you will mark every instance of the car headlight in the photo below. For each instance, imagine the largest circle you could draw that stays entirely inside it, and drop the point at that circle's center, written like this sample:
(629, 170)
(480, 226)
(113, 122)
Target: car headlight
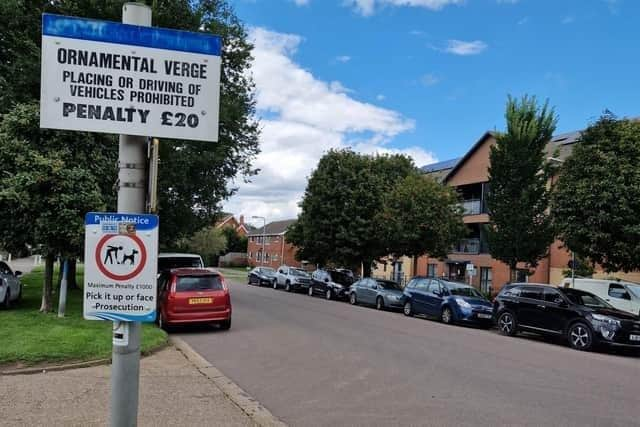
(337, 285)
(606, 325)
(463, 304)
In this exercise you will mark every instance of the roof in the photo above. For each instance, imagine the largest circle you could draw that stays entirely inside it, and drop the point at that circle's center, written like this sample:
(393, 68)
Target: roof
(273, 228)
(435, 167)
(177, 254)
(469, 154)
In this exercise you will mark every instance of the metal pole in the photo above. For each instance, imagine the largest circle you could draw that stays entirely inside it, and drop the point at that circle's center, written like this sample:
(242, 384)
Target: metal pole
(264, 233)
(573, 269)
(62, 300)
(132, 189)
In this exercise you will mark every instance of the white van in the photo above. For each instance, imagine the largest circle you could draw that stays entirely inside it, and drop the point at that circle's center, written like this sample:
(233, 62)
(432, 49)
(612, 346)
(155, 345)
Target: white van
(624, 296)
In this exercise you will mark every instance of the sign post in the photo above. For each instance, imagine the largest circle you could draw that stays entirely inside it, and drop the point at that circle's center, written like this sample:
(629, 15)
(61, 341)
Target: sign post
(139, 82)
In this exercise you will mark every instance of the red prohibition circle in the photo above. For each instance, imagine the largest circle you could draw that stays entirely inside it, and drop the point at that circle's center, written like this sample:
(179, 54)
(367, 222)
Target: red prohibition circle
(134, 273)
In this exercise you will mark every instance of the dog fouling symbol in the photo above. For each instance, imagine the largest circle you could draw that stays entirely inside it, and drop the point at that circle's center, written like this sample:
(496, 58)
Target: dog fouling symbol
(120, 256)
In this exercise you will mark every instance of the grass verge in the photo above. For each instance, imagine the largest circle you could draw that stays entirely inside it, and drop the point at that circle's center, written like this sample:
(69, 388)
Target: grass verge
(29, 337)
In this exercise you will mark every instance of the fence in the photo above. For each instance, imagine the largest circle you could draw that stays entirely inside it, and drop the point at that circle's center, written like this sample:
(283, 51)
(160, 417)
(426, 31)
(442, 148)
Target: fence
(233, 259)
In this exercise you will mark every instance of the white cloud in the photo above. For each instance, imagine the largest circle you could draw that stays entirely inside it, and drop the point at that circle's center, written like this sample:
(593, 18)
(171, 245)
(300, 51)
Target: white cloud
(507, 1)
(368, 7)
(429, 79)
(464, 48)
(523, 20)
(301, 2)
(342, 58)
(380, 97)
(568, 19)
(306, 118)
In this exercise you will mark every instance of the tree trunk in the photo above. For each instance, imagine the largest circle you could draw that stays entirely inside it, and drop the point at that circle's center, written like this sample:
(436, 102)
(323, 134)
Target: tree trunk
(59, 278)
(47, 285)
(366, 268)
(71, 274)
(415, 266)
(513, 276)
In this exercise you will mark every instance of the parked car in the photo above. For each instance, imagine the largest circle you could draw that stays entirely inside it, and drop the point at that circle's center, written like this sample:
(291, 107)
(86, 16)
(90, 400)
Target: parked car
(381, 293)
(262, 276)
(291, 278)
(583, 318)
(167, 261)
(622, 295)
(10, 286)
(331, 283)
(193, 295)
(448, 301)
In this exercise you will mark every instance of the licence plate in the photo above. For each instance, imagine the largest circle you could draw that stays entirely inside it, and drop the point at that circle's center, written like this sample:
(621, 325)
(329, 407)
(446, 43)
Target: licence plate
(200, 300)
(484, 316)
(634, 337)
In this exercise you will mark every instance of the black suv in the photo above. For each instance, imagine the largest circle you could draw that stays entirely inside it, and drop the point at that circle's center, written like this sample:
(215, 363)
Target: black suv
(583, 318)
(331, 283)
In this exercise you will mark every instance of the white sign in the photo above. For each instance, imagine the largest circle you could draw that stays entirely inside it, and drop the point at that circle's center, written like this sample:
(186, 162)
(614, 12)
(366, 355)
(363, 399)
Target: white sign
(120, 270)
(102, 76)
(470, 267)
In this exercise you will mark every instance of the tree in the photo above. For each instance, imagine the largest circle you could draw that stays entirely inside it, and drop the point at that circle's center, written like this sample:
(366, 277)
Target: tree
(343, 198)
(520, 228)
(208, 242)
(235, 241)
(46, 188)
(596, 200)
(422, 216)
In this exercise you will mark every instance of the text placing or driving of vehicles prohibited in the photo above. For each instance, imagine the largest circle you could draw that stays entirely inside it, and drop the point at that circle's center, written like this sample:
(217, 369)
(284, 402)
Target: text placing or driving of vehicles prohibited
(634, 337)
(102, 76)
(121, 259)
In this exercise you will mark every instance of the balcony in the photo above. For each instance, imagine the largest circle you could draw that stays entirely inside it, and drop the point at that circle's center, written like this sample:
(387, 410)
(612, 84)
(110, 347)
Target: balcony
(472, 207)
(472, 246)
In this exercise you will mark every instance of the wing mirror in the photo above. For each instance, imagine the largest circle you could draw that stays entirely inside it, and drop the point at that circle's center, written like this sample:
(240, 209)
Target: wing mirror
(326, 280)
(17, 273)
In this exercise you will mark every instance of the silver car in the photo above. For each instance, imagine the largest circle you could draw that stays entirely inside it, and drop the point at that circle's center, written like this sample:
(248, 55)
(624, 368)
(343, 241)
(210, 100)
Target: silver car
(10, 286)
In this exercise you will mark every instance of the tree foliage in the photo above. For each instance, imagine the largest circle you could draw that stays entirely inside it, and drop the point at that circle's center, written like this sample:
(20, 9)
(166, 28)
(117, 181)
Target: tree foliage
(596, 200)
(520, 228)
(208, 242)
(235, 241)
(349, 207)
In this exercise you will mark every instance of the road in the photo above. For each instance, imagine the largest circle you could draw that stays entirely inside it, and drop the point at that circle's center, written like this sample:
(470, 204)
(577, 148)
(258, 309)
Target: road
(325, 363)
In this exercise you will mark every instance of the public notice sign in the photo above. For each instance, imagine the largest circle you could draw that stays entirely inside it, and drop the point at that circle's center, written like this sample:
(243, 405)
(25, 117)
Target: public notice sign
(120, 271)
(102, 76)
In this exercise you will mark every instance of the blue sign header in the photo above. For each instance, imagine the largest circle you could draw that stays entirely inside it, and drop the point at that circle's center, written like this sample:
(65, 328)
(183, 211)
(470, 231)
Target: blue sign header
(109, 221)
(115, 32)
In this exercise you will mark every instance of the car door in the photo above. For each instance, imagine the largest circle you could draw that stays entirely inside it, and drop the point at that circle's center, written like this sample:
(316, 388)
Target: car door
(12, 280)
(618, 296)
(433, 298)
(281, 276)
(419, 295)
(531, 307)
(371, 291)
(557, 312)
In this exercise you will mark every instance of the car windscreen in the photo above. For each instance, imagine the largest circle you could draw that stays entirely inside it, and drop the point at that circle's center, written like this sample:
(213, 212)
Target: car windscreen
(267, 271)
(388, 285)
(584, 298)
(198, 283)
(178, 262)
(463, 291)
(297, 272)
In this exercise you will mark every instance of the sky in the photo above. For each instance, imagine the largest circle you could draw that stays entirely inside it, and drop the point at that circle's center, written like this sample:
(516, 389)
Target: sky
(425, 78)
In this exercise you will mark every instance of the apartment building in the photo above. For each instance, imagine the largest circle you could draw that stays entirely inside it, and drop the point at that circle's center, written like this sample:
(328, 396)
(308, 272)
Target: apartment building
(275, 251)
(469, 175)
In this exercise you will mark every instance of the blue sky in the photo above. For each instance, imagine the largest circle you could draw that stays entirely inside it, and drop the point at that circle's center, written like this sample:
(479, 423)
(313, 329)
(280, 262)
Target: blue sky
(435, 73)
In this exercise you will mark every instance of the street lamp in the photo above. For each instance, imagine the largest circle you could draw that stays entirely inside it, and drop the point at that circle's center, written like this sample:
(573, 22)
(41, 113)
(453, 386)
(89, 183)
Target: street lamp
(573, 254)
(264, 232)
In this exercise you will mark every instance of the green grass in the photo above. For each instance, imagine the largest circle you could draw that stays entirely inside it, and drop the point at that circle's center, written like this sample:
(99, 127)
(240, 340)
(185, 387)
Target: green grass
(234, 271)
(29, 337)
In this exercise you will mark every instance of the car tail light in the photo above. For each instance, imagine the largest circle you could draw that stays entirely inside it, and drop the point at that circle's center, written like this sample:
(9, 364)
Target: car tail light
(224, 283)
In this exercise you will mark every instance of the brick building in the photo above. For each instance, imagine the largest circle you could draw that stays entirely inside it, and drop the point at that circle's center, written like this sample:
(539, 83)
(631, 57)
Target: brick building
(276, 251)
(230, 221)
(469, 175)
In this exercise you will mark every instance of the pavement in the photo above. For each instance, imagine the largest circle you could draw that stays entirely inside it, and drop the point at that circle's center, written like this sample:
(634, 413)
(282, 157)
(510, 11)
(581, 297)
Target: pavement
(313, 362)
(172, 392)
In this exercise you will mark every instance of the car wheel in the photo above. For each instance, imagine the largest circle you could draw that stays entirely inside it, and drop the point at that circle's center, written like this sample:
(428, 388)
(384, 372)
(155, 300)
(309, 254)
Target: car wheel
(310, 291)
(162, 324)
(507, 324)
(353, 299)
(275, 284)
(287, 287)
(225, 325)
(329, 294)
(249, 281)
(379, 303)
(446, 316)
(408, 309)
(580, 336)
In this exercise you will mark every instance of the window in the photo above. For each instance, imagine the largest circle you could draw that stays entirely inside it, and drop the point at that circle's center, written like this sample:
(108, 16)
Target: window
(553, 296)
(412, 283)
(275, 258)
(249, 254)
(198, 283)
(434, 287)
(618, 291)
(4, 268)
(431, 270)
(522, 276)
(485, 279)
(532, 292)
(422, 284)
(511, 292)
(266, 257)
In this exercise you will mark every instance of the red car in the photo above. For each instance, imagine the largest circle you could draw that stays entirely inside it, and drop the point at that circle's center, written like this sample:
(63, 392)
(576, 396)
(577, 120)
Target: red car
(193, 295)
